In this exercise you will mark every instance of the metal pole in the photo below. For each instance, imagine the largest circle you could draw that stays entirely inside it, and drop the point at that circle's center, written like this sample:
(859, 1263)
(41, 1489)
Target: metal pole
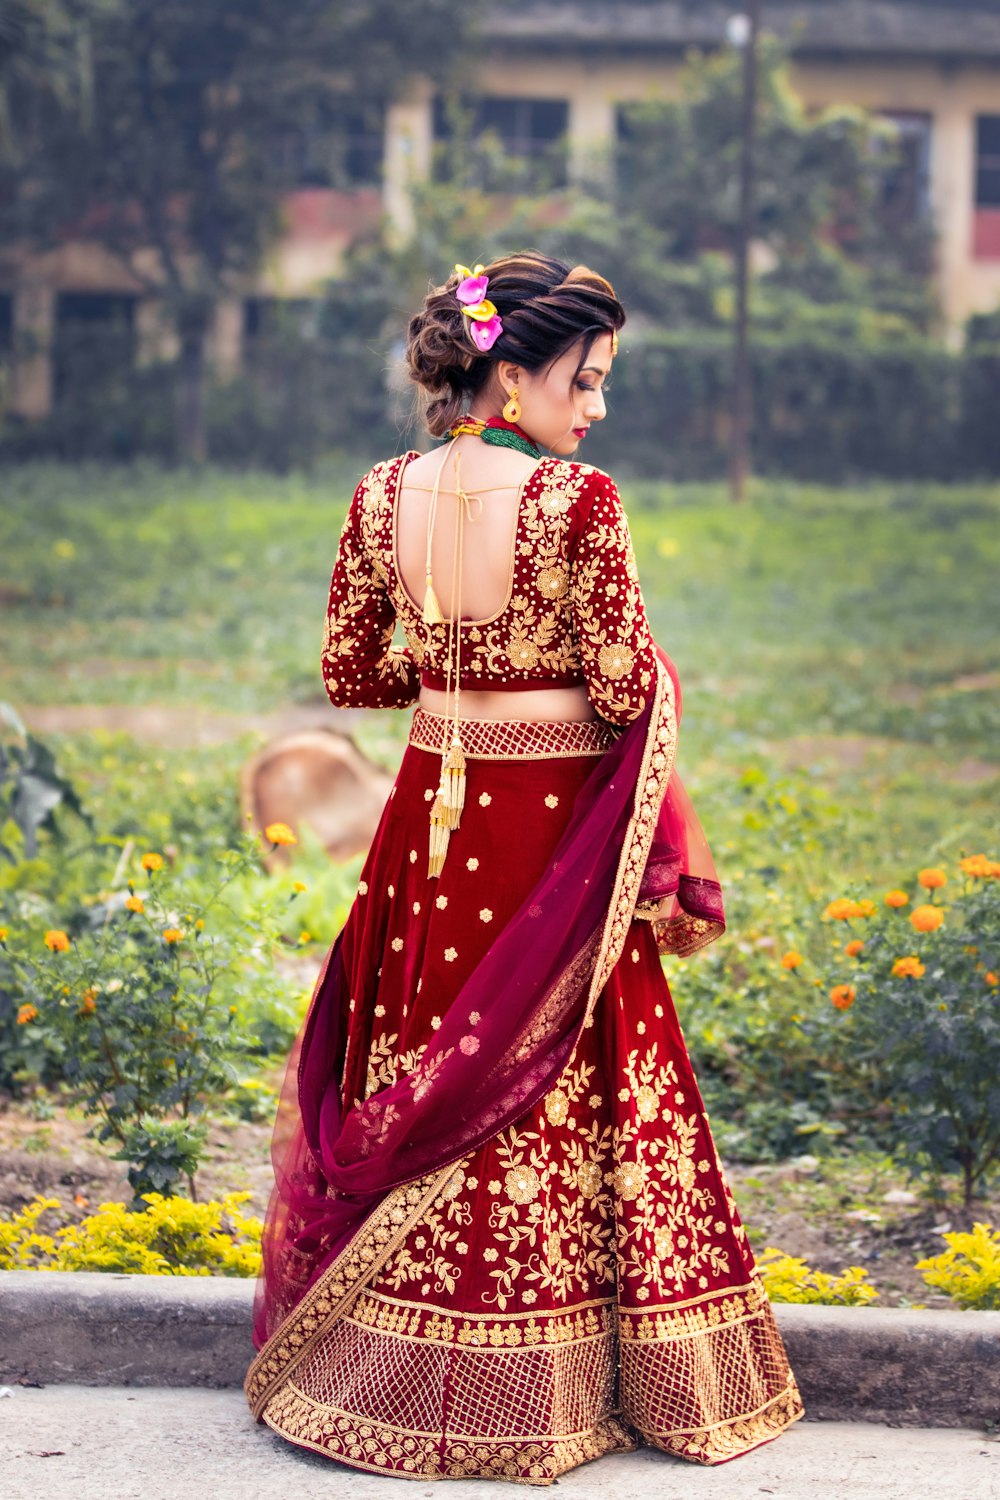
(742, 389)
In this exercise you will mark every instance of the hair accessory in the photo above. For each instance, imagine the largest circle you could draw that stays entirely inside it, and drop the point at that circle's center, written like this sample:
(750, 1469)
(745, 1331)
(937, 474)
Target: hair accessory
(485, 323)
(614, 342)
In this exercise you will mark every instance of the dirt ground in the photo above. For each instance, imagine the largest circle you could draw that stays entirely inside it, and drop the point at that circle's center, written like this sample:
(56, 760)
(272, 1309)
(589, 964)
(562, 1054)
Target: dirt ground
(832, 1212)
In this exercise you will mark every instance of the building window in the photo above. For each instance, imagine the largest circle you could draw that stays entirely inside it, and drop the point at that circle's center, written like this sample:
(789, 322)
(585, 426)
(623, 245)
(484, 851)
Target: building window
(336, 146)
(94, 344)
(986, 218)
(905, 187)
(988, 161)
(516, 143)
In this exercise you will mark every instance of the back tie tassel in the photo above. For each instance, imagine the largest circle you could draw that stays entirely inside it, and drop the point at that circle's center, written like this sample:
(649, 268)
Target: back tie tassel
(440, 836)
(432, 610)
(453, 783)
(446, 810)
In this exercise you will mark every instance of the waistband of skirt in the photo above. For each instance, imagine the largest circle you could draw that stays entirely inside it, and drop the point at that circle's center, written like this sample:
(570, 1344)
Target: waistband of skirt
(514, 739)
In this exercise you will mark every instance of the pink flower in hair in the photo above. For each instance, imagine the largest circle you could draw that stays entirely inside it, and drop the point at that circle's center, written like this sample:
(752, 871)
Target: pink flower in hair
(472, 289)
(485, 334)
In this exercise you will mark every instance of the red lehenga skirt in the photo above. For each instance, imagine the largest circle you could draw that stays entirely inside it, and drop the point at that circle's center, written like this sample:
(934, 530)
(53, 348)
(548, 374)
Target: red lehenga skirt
(578, 1283)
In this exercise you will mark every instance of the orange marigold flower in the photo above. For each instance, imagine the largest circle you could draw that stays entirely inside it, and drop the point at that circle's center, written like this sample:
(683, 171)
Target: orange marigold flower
(88, 1003)
(3, 933)
(299, 886)
(854, 947)
(842, 996)
(152, 861)
(979, 866)
(25, 1014)
(791, 959)
(909, 967)
(990, 977)
(865, 907)
(932, 879)
(841, 909)
(135, 903)
(56, 940)
(280, 833)
(172, 934)
(896, 898)
(926, 918)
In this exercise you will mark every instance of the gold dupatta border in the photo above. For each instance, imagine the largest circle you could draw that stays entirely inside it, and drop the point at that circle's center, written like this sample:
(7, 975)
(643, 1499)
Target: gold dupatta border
(388, 1225)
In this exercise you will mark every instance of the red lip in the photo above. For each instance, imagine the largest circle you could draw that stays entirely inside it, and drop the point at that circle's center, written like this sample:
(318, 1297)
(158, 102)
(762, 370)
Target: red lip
(580, 431)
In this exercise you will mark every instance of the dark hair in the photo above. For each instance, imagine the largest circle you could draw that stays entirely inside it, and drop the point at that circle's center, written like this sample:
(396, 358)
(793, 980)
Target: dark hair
(546, 307)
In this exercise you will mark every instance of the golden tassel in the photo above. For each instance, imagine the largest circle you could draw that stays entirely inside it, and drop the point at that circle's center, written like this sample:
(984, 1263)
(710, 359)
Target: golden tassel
(453, 783)
(440, 836)
(432, 610)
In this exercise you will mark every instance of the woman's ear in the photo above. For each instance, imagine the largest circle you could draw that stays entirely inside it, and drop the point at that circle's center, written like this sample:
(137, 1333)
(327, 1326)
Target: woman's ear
(508, 373)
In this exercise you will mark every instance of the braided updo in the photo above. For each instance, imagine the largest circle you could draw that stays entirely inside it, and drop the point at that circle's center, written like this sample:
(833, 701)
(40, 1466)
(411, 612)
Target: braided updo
(546, 306)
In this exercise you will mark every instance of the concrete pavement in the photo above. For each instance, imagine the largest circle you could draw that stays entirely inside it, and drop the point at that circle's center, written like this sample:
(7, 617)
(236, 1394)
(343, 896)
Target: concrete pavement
(72, 1442)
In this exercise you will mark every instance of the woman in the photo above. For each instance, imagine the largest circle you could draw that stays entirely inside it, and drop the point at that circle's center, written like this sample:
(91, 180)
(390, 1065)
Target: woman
(500, 1241)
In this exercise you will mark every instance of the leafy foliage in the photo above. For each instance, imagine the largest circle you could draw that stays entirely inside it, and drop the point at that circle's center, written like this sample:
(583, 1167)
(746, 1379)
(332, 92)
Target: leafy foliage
(787, 1278)
(167, 1237)
(969, 1270)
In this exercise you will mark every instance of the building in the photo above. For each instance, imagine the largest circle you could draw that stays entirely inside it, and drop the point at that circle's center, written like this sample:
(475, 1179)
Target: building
(556, 78)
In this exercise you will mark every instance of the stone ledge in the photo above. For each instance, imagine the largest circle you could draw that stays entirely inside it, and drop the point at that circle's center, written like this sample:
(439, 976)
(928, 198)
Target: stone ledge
(869, 1364)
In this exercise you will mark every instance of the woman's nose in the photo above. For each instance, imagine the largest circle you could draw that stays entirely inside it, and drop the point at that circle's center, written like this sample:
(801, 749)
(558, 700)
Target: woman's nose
(595, 407)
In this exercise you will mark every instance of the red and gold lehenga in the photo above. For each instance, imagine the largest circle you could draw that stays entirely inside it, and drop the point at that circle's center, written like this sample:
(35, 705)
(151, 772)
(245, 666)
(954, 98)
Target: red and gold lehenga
(501, 1241)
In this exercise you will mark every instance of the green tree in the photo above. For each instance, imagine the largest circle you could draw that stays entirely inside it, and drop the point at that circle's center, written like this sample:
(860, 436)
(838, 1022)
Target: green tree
(166, 151)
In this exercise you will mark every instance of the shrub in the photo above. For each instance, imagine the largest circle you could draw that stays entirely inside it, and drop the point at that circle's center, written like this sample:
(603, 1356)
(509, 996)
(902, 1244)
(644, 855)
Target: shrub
(916, 999)
(969, 1270)
(787, 1278)
(136, 997)
(172, 1237)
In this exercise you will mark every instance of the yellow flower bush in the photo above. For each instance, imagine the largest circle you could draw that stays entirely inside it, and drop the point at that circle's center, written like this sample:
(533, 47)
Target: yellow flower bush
(969, 1270)
(173, 1237)
(788, 1278)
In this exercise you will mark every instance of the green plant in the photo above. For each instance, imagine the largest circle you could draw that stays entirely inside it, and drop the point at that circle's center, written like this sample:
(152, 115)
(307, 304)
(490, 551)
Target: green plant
(787, 1278)
(969, 1270)
(139, 997)
(170, 1237)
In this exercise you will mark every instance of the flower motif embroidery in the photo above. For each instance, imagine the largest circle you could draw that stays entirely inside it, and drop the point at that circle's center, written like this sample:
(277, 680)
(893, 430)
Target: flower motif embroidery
(470, 1045)
(485, 799)
(647, 1103)
(450, 954)
(522, 654)
(557, 1107)
(472, 864)
(486, 915)
(615, 661)
(551, 800)
(685, 1172)
(397, 943)
(441, 902)
(413, 856)
(522, 1184)
(362, 887)
(628, 1180)
(589, 1179)
(552, 582)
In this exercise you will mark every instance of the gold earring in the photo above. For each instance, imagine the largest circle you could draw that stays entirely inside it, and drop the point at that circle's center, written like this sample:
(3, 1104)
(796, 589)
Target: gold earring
(512, 410)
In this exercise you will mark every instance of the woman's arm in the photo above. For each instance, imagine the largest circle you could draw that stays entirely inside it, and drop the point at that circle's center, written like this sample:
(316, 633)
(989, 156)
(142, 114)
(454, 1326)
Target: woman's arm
(617, 650)
(361, 668)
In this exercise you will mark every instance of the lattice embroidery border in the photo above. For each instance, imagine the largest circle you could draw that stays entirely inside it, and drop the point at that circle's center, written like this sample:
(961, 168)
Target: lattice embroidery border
(514, 739)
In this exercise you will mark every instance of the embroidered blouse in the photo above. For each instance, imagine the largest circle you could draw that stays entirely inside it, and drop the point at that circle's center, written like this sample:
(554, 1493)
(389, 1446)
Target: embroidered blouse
(574, 612)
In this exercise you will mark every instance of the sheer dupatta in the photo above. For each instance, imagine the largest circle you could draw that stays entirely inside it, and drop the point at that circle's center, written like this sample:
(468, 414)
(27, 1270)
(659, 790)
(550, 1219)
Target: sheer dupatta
(350, 1183)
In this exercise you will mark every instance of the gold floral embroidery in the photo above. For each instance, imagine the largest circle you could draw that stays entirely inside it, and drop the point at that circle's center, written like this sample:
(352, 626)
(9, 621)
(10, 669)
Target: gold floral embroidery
(522, 1184)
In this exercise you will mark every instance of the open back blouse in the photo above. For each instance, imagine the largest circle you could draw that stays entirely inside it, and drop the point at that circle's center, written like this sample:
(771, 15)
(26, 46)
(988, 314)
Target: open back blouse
(573, 612)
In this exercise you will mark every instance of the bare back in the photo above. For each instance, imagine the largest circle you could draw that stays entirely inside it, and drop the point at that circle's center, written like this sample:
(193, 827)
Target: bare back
(498, 477)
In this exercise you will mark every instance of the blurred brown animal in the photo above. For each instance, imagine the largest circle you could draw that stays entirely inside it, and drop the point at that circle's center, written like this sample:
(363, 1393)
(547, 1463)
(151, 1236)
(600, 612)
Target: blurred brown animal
(318, 777)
